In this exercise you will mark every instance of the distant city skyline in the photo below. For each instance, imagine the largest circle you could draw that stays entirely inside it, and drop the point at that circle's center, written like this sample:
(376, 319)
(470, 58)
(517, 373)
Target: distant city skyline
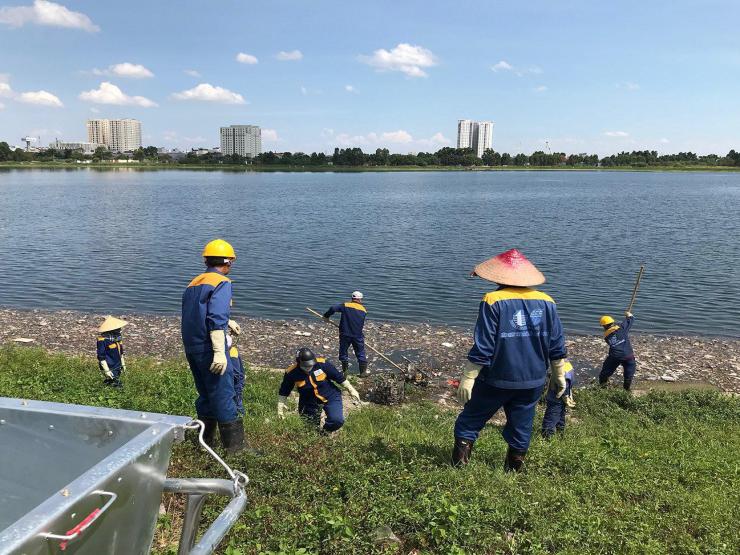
(581, 76)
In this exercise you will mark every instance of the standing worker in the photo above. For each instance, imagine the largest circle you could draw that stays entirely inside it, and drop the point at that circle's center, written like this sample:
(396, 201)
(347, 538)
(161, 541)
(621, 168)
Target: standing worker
(206, 310)
(110, 351)
(313, 377)
(620, 349)
(518, 333)
(351, 324)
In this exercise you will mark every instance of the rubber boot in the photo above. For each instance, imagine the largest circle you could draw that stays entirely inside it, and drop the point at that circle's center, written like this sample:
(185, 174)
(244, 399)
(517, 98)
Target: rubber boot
(363, 368)
(461, 451)
(514, 460)
(232, 435)
(209, 433)
(627, 385)
(345, 367)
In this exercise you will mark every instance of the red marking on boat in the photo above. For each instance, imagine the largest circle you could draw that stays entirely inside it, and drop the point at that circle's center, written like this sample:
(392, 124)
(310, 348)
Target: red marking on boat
(512, 258)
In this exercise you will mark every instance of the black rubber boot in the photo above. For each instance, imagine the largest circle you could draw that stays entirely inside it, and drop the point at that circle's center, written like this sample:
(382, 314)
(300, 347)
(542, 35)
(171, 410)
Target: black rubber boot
(514, 460)
(232, 435)
(345, 367)
(209, 433)
(627, 385)
(363, 368)
(461, 451)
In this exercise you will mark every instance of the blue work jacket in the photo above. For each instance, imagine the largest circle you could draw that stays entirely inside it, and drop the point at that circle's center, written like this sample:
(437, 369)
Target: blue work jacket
(618, 339)
(517, 333)
(206, 306)
(110, 349)
(352, 319)
(315, 386)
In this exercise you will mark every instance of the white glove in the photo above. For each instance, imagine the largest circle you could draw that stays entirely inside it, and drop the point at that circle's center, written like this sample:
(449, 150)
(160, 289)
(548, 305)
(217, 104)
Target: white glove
(123, 365)
(105, 370)
(351, 390)
(558, 376)
(282, 406)
(218, 341)
(465, 389)
(235, 328)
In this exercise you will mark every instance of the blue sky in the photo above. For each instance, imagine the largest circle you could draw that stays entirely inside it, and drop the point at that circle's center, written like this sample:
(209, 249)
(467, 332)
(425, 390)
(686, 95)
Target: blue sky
(586, 76)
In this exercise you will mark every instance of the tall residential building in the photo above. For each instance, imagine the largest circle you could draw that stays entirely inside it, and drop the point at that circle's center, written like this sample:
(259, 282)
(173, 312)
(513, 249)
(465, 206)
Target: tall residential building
(477, 135)
(244, 140)
(119, 135)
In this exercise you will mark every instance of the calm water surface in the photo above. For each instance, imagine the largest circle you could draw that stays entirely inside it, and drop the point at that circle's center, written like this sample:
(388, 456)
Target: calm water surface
(117, 241)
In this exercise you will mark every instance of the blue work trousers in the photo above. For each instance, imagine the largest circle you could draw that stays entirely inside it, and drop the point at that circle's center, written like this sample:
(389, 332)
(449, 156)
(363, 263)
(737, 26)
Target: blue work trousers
(239, 387)
(519, 406)
(554, 418)
(358, 346)
(215, 393)
(311, 411)
(610, 366)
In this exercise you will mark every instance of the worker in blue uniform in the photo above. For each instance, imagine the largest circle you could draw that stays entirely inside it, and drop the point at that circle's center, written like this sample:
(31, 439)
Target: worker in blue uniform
(206, 316)
(238, 366)
(556, 409)
(351, 325)
(315, 378)
(110, 351)
(517, 336)
(620, 349)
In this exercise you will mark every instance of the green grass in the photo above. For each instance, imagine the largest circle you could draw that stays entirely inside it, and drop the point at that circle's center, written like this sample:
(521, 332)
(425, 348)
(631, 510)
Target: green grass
(654, 474)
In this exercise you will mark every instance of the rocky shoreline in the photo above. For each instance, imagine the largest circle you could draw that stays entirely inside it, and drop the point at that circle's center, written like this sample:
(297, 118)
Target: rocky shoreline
(438, 350)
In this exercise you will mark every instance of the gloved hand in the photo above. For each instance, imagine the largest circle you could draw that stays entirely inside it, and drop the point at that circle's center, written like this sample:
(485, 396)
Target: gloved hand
(628, 314)
(465, 389)
(351, 390)
(569, 402)
(123, 364)
(557, 380)
(218, 341)
(235, 328)
(282, 406)
(105, 370)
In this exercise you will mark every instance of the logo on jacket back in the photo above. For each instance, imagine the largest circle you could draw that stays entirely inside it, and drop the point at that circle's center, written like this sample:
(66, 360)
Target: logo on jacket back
(521, 322)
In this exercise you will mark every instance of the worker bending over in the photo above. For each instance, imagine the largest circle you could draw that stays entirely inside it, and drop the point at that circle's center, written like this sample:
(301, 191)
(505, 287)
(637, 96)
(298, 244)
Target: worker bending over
(110, 351)
(518, 333)
(206, 310)
(620, 349)
(554, 419)
(315, 379)
(351, 325)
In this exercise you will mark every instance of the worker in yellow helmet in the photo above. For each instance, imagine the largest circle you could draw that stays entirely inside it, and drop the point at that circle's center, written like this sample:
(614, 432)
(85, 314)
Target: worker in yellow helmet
(620, 349)
(206, 317)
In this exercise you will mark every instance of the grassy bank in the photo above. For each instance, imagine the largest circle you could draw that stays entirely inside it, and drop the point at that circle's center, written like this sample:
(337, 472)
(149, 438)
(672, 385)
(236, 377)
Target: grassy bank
(654, 474)
(348, 169)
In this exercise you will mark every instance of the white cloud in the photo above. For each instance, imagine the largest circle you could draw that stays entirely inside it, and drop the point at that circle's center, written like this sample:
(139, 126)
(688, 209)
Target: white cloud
(350, 89)
(5, 90)
(205, 92)
(304, 90)
(48, 14)
(540, 89)
(125, 69)
(248, 59)
(397, 138)
(270, 135)
(664, 141)
(628, 85)
(503, 65)
(616, 134)
(40, 98)
(291, 56)
(108, 93)
(406, 58)
(192, 73)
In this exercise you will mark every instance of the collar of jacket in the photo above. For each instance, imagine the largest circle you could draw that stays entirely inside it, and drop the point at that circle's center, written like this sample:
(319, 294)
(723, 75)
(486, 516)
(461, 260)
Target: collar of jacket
(610, 331)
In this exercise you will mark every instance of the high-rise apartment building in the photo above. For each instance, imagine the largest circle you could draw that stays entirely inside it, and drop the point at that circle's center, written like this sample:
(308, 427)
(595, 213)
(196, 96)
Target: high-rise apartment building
(477, 135)
(244, 140)
(119, 135)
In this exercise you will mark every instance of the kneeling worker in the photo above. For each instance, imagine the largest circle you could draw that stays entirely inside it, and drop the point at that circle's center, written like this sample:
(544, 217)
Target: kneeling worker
(206, 311)
(314, 378)
(351, 325)
(110, 351)
(620, 349)
(518, 333)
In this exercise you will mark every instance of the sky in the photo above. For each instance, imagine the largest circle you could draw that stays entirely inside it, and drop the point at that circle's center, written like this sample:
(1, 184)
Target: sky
(577, 76)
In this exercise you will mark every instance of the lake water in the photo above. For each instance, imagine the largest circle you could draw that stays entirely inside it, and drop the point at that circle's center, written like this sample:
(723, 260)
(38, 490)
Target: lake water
(118, 241)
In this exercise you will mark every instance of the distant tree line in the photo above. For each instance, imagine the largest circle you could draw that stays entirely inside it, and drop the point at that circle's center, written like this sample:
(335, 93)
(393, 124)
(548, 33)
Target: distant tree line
(447, 156)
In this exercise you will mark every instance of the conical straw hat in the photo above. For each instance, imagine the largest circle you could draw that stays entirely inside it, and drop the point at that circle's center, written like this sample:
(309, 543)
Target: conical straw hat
(509, 268)
(111, 323)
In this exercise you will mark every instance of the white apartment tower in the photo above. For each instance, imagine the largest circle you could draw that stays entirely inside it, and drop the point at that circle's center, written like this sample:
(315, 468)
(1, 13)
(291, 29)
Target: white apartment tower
(244, 140)
(477, 135)
(119, 135)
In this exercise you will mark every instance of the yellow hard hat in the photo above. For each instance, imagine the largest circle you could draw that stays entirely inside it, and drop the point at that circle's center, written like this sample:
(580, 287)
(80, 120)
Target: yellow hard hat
(219, 248)
(606, 320)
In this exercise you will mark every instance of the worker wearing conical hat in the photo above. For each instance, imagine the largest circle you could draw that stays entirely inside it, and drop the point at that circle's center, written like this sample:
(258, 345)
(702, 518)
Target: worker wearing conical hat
(517, 336)
(110, 350)
(620, 349)
(206, 317)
